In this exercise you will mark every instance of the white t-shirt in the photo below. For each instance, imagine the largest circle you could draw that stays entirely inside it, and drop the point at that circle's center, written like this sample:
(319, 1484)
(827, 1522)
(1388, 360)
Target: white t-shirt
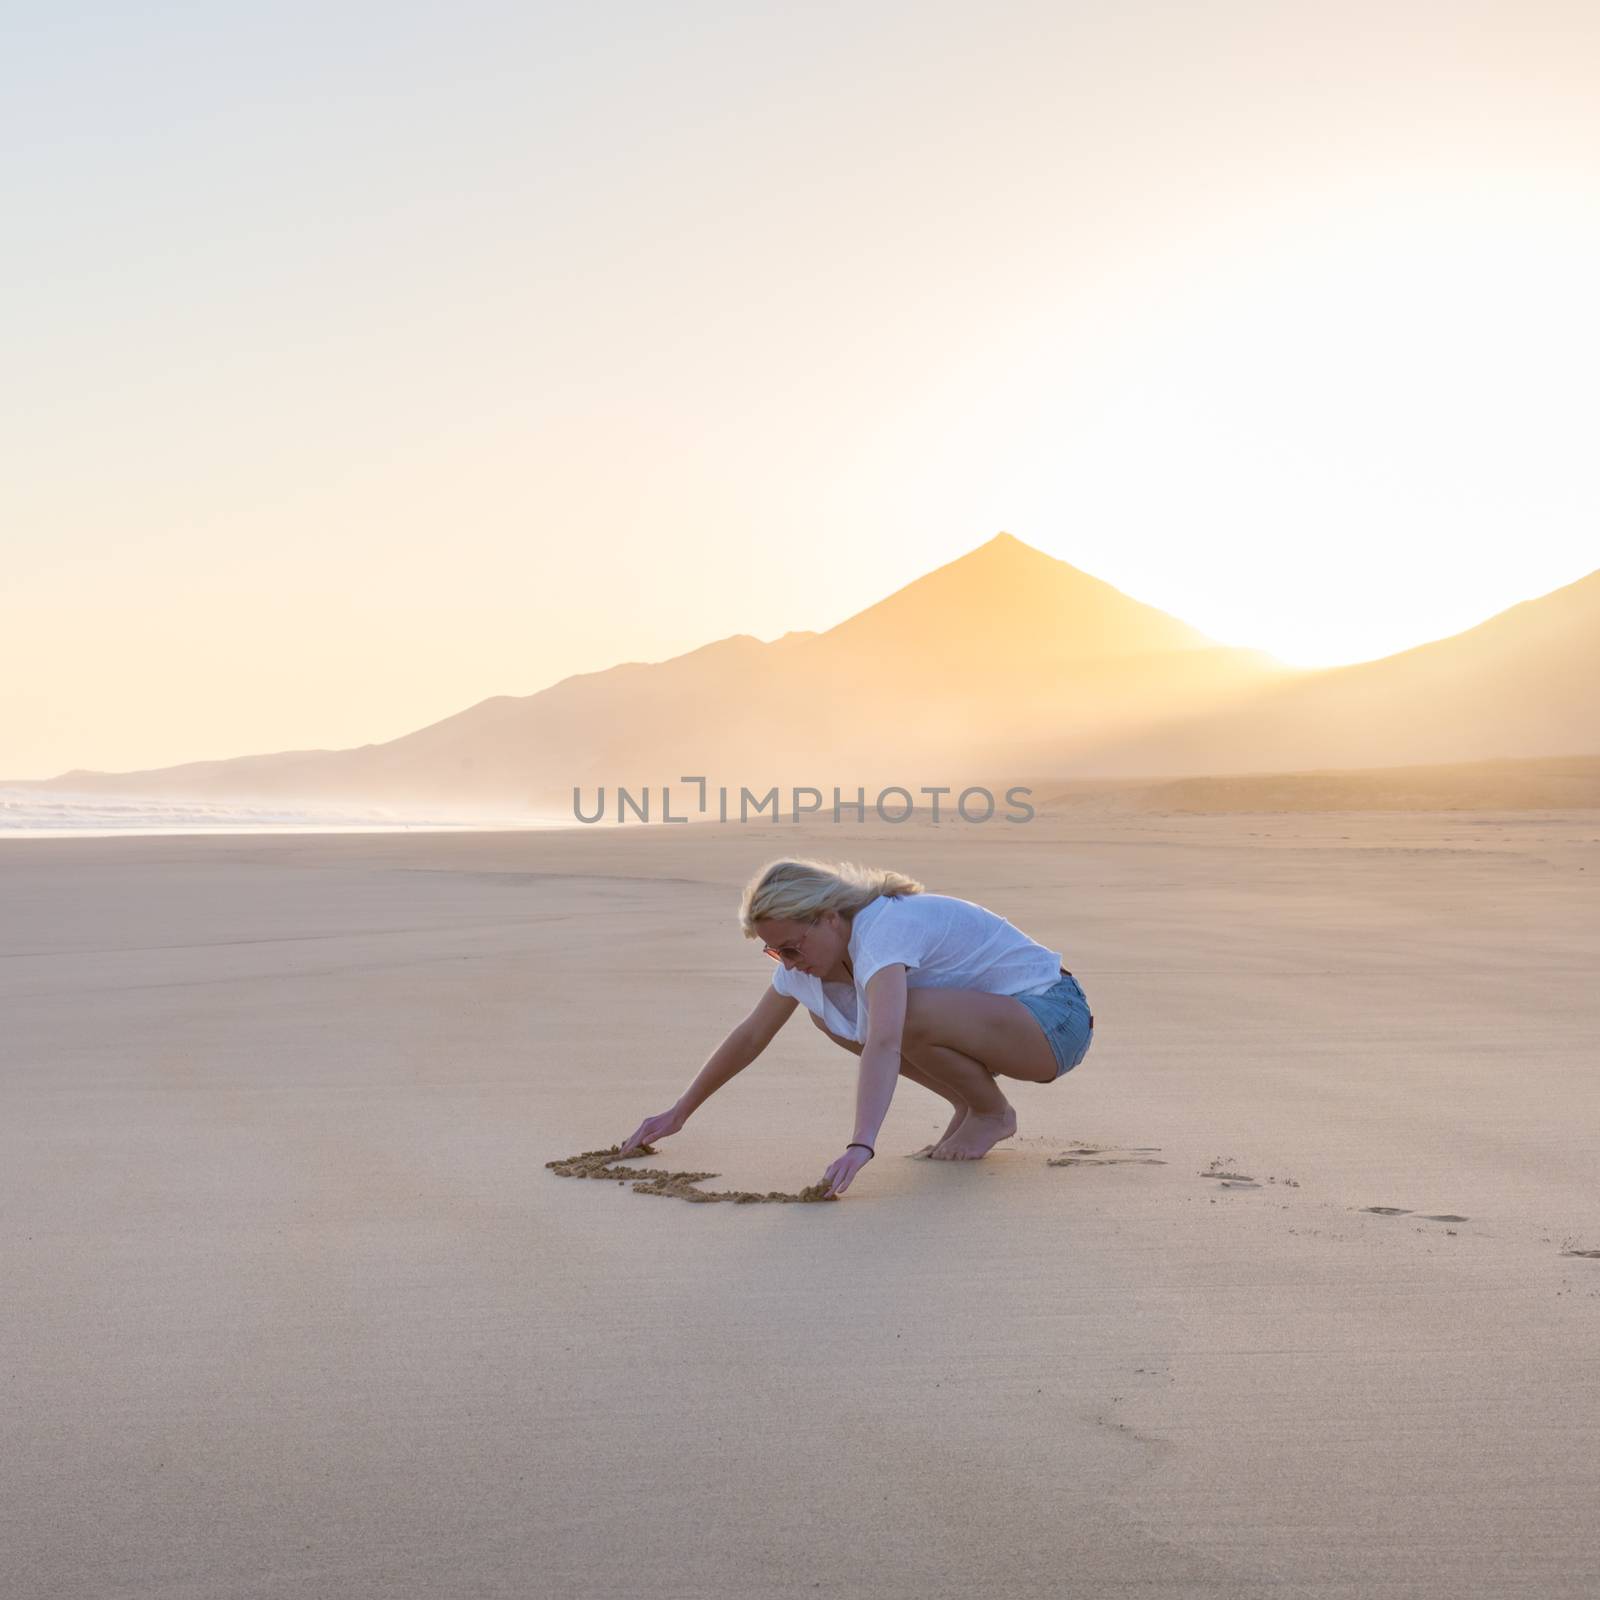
(942, 942)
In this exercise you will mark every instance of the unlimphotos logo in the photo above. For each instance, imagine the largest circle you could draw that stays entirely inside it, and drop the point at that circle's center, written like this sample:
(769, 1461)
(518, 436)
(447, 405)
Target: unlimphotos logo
(895, 803)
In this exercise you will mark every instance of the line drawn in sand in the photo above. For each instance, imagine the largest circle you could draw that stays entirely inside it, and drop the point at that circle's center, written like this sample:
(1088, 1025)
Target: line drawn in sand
(603, 1164)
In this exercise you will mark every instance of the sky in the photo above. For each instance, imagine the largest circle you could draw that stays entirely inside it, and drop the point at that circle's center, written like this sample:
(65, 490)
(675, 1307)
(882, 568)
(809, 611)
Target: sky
(366, 361)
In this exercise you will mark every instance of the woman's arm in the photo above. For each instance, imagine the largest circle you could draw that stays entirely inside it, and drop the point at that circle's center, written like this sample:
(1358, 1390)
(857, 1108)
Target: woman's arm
(739, 1049)
(880, 1055)
(878, 1074)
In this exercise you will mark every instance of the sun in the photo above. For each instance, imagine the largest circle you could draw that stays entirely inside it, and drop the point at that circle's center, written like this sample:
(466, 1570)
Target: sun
(1348, 433)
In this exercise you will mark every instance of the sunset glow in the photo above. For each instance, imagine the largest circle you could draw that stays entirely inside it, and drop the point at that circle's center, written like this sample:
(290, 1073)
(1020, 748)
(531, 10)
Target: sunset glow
(396, 377)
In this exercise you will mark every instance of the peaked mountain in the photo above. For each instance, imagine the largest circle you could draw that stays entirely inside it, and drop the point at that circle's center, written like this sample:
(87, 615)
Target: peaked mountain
(1006, 597)
(934, 684)
(1006, 661)
(941, 678)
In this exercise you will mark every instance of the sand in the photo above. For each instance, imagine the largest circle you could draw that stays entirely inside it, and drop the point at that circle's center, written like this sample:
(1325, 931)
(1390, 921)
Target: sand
(1289, 1289)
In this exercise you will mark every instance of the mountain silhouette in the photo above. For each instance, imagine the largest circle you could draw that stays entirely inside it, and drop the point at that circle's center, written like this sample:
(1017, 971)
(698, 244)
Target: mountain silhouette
(1525, 683)
(1004, 660)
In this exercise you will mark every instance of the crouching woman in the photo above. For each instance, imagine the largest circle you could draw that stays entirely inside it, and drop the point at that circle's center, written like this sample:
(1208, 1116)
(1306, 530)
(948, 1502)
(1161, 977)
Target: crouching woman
(924, 986)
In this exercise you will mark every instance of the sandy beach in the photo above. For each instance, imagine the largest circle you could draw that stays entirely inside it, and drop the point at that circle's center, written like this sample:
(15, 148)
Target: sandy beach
(295, 1307)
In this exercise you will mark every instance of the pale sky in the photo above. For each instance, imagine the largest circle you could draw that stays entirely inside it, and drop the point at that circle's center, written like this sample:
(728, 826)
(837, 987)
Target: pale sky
(367, 360)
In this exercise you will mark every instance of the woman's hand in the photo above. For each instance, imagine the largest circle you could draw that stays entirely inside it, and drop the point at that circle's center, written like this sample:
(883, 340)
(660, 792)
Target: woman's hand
(653, 1128)
(838, 1176)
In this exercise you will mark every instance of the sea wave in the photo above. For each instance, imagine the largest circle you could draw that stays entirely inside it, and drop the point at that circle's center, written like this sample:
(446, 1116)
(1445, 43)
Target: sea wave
(57, 814)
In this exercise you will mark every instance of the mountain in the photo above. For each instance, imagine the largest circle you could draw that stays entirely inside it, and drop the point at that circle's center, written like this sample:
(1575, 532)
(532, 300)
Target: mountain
(927, 686)
(1525, 683)
(944, 676)
(1003, 597)
(1005, 661)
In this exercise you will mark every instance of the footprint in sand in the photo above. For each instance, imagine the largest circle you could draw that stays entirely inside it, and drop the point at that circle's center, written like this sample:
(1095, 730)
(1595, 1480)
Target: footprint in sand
(1221, 1168)
(1099, 1155)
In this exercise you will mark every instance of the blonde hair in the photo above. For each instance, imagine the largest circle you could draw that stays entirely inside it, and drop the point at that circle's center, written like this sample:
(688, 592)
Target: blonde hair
(793, 890)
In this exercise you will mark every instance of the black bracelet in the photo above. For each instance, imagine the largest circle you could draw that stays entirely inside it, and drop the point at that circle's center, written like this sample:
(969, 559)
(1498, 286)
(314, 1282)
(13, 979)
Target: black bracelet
(867, 1147)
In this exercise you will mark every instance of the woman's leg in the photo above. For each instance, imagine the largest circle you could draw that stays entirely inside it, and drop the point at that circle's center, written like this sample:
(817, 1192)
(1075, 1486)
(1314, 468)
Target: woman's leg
(990, 1116)
(950, 1031)
(909, 1069)
(964, 1039)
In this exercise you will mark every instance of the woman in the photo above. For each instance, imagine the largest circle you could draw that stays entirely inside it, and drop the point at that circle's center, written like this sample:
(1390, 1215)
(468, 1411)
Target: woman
(919, 985)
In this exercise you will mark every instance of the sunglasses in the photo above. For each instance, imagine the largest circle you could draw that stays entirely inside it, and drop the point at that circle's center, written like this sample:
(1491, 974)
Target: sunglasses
(781, 952)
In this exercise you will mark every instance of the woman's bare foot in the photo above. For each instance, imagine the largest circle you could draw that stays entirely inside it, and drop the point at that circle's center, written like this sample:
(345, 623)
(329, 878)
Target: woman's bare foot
(976, 1136)
(955, 1122)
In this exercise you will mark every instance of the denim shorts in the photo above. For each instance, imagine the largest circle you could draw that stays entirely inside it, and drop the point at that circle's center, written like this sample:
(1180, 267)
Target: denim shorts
(1063, 1013)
